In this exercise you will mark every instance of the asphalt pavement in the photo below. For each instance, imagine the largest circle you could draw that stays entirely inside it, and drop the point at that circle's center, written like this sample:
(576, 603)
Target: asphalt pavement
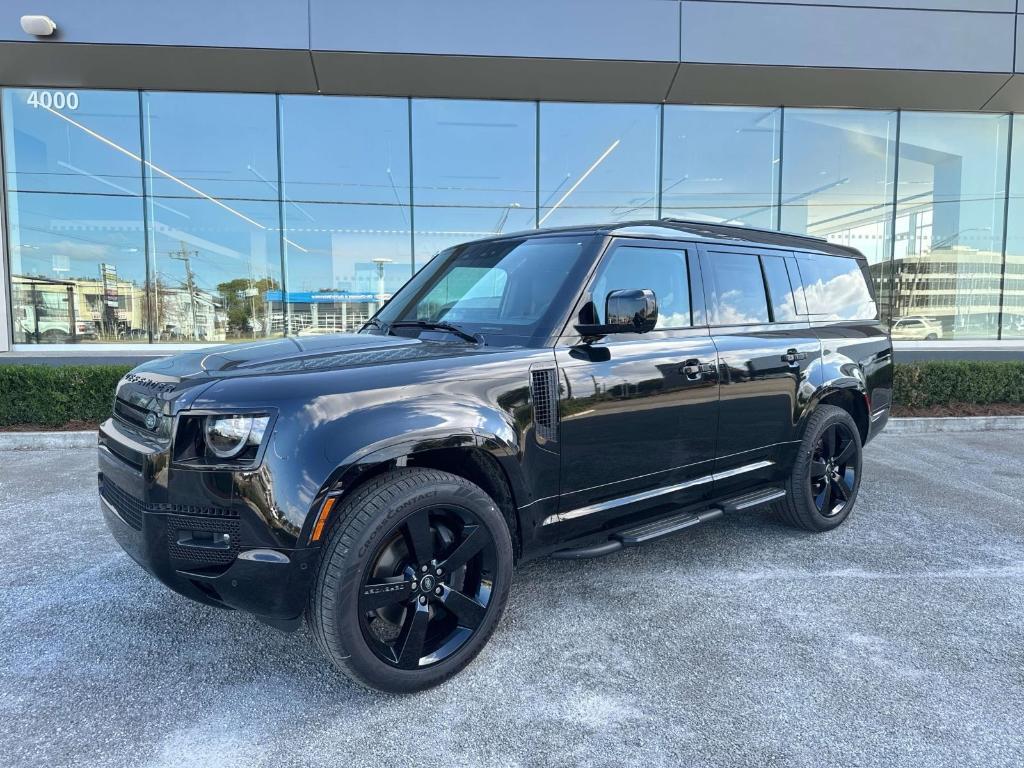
(897, 640)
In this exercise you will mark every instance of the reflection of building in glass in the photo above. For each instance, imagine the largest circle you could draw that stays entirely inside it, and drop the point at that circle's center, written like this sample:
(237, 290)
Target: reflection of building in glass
(59, 311)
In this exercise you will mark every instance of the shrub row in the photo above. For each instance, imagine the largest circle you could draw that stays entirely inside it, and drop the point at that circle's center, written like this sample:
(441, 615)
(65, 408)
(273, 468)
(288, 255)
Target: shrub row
(949, 382)
(55, 396)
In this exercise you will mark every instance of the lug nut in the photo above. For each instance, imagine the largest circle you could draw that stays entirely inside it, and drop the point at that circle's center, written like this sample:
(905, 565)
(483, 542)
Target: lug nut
(423, 600)
(438, 591)
(424, 569)
(414, 585)
(438, 571)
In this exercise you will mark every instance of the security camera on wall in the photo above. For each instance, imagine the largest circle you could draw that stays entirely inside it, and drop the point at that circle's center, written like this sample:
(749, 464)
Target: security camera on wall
(40, 26)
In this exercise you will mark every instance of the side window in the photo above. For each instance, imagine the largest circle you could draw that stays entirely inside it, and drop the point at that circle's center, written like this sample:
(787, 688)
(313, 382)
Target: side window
(836, 288)
(662, 270)
(739, 289)
(780, 289)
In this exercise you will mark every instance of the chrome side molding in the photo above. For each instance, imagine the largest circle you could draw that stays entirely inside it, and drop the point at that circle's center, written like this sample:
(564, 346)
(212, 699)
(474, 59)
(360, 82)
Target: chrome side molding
(634, 498)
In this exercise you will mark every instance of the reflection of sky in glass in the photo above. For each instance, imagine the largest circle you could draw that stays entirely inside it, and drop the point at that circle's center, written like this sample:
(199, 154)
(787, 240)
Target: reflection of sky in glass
(721, 164)
(837, 178)
(474, 170)
(598, 163)
(76, 196)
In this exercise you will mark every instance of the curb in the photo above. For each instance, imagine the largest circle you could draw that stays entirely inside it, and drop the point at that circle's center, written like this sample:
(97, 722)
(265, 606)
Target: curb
(55, 441)
(46, 441)
(928, 425)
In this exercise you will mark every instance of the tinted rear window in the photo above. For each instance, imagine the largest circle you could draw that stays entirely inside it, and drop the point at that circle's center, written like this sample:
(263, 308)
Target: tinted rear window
(836, 288)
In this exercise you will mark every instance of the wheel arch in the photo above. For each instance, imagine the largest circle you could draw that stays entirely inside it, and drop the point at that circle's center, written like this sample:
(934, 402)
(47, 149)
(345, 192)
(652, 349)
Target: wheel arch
(484, 459)
(850, 395)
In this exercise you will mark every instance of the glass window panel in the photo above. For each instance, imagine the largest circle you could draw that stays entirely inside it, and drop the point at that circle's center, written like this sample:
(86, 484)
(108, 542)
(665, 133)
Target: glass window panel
(78, 268)
(836, 289)
(837, 176)
(720, 164)
(1013, 293)
(598, 163)
(661, 270)
(215, 237)
(220, 145)
(949, 221)
(474, 170)
(72, 141)
(76, 240)
(214, 270)
(345, 166)
(738, 288)
(780, 289)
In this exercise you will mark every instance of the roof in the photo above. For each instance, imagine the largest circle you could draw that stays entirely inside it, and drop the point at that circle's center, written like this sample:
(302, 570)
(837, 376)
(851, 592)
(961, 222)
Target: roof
(700, 231)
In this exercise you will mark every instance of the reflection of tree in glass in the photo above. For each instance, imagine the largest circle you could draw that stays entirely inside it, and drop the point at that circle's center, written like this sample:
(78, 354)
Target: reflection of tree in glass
(244, 302)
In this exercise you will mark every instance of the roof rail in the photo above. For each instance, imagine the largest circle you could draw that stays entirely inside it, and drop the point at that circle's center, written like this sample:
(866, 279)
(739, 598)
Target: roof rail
(744, 227)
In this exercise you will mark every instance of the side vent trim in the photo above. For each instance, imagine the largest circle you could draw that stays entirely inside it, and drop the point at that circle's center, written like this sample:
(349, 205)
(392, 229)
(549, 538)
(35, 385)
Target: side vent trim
(544, 396)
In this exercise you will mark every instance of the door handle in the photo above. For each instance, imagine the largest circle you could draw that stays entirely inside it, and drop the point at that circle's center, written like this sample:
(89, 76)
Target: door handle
(695, 369)
(792, 356)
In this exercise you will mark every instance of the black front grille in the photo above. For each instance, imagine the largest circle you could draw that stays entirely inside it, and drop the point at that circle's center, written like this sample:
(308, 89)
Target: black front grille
(130, 414)
(128, 507)
(183, 545)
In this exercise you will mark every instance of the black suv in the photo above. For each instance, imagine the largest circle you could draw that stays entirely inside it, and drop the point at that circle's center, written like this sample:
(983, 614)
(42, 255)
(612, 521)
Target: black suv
(560, 392)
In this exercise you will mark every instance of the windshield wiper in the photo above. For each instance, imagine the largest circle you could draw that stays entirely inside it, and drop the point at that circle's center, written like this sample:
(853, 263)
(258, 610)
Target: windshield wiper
(439, 325)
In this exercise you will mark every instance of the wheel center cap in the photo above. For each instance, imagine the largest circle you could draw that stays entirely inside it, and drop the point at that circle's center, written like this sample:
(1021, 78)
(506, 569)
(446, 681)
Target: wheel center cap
(427, 583)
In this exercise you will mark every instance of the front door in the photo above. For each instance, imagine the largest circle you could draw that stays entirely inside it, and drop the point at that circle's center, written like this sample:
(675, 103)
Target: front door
(639, 412)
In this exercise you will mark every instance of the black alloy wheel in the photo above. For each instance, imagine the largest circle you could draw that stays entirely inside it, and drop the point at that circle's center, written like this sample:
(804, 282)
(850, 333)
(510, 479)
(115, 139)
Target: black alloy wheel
(413, 579)
(833, 473)
(426, 588)
(822, 484)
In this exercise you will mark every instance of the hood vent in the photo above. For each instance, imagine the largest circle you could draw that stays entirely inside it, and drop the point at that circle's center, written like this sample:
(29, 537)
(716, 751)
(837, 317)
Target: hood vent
(544, 394)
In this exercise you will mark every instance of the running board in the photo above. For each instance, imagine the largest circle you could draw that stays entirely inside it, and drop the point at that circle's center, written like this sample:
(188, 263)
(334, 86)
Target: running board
(753, 499)
(666, 526)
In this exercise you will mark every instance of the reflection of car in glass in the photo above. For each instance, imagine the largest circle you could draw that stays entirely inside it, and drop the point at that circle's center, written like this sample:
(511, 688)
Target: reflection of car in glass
(916, 328)
(43, 325)
(567, 392)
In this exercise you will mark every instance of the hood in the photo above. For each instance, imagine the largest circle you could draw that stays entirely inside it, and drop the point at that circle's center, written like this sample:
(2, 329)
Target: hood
(293, 355)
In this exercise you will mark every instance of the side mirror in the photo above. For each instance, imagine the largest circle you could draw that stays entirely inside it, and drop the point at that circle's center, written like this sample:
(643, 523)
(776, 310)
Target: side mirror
(626, 311)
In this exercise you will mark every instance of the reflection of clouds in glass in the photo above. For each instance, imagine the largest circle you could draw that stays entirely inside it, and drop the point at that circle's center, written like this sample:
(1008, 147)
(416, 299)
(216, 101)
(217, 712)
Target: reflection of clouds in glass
(732, 312)
(785, 310)
(673, 320)
(844, 297)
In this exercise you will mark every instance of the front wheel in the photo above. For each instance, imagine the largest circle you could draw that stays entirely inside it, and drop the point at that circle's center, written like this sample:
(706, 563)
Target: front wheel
(822, 486)
(413, 579)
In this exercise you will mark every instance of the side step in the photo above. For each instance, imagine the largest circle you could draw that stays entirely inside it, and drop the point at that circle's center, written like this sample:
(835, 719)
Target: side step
(666, 526)
(669, 525)
(753, 499)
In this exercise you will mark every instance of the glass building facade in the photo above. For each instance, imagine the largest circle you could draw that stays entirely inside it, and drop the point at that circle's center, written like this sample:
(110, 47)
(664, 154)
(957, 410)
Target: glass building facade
(161, 217)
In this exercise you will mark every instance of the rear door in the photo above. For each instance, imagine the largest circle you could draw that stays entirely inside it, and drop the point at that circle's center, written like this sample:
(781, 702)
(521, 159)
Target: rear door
(766, 349)
(639, 412)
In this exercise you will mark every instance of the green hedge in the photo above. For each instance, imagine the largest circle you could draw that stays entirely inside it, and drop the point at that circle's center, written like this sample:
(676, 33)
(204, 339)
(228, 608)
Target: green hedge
(56, 396)
(946, 382)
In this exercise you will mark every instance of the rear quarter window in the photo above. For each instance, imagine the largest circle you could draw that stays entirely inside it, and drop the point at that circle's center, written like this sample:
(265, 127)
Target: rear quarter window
(836, 288)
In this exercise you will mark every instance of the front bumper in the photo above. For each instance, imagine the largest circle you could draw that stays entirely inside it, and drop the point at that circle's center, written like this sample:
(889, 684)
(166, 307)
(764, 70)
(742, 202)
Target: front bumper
(202, 551)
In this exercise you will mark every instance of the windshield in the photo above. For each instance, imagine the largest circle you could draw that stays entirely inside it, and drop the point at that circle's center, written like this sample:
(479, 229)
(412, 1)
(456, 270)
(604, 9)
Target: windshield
(508, 291)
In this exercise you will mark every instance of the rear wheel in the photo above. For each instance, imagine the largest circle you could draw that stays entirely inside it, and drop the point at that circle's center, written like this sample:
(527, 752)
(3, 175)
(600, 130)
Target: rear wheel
(823, 484)
(413, 580)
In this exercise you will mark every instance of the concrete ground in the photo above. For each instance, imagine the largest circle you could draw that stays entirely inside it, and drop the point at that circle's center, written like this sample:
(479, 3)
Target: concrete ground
(896, 640)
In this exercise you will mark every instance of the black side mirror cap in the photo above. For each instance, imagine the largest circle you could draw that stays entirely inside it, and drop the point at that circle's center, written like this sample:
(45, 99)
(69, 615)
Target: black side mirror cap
(626, 311)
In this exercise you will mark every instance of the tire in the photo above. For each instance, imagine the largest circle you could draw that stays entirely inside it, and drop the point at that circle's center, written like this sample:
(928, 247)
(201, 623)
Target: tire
(813, 502)
(931, 337)
(371, 602)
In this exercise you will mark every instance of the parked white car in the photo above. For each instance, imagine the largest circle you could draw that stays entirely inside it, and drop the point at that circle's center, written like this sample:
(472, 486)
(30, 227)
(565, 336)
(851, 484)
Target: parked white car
(916, 329)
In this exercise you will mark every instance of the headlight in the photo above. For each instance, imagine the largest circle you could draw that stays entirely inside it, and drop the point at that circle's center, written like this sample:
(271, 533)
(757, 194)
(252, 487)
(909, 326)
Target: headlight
(227, 436)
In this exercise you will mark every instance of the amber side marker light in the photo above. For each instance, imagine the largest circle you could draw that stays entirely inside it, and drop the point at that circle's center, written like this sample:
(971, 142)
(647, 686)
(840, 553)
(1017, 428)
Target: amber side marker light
(321, 521)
